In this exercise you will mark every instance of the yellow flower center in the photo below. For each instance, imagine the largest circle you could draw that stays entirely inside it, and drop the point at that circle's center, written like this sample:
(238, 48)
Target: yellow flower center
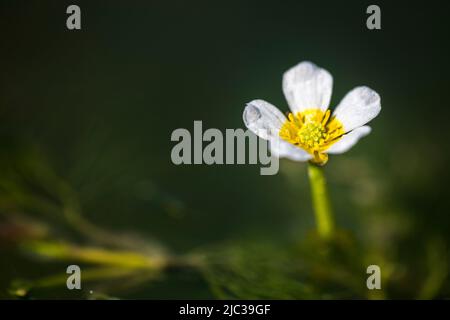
(312, 130)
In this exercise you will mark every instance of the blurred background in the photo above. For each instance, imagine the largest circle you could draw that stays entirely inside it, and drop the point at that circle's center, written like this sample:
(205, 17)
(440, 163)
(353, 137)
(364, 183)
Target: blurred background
(85, 170)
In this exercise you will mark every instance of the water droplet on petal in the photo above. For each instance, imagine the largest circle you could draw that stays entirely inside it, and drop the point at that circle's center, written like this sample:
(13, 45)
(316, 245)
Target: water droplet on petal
(251, 114)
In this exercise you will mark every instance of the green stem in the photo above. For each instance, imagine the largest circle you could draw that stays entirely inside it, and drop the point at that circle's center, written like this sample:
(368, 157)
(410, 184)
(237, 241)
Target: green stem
(321, 202)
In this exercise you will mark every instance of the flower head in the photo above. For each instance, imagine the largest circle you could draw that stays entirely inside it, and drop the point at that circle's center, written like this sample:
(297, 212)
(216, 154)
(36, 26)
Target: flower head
(311, 131)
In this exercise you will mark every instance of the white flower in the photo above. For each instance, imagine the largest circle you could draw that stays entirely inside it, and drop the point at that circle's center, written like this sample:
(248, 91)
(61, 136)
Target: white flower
(310, 132)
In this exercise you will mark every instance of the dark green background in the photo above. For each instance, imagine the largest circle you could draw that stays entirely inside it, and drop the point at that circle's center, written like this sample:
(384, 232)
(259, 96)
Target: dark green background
(102, 102)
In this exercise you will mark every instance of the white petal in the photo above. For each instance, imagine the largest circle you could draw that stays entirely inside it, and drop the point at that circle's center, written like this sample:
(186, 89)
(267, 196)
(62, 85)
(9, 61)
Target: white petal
(283, 149)
(358, 107)
(349, 140)
(263, 119)
(307, 86)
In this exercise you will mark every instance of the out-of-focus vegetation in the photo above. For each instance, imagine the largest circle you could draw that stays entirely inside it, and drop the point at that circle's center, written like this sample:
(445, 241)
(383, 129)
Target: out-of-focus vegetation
(42, 219)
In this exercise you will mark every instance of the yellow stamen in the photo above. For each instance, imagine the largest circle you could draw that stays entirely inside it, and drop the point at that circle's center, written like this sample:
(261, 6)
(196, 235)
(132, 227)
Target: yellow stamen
(326, 117)
(312, 130)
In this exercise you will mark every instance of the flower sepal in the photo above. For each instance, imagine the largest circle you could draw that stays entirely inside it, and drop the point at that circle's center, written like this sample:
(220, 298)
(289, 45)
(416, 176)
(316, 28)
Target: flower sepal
(320, 159)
